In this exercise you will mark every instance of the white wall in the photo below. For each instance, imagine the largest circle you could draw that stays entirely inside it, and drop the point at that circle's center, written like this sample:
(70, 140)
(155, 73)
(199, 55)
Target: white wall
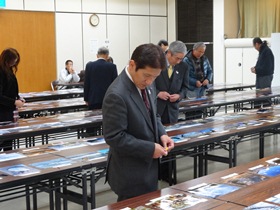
(124, 24)
(240, 57)
(218, 42)
(275, 47)
(119, 27)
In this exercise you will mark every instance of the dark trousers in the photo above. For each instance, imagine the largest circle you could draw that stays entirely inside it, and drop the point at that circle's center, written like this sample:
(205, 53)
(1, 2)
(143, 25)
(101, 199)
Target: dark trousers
(4, 117)
(96, 130)
(264, 81)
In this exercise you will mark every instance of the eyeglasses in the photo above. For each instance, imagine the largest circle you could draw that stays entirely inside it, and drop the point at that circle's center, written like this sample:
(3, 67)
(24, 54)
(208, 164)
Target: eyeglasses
(178, 58)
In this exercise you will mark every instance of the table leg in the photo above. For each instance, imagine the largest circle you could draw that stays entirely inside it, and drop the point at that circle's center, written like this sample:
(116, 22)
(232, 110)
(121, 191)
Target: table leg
(84, 184)
(92, 188)
(261, 140)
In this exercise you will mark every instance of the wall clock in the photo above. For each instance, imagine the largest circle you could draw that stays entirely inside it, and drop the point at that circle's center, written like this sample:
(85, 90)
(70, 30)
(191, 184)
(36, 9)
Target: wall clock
(94, 20)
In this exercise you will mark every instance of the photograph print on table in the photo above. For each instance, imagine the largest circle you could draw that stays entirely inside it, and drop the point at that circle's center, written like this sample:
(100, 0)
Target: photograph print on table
(19, 170)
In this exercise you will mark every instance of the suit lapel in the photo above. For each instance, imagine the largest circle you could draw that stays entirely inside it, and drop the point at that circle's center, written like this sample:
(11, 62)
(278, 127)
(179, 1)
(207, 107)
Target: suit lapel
(175, 76)
(135, 96)
(166, 78)
(153, 109)
(137, 99)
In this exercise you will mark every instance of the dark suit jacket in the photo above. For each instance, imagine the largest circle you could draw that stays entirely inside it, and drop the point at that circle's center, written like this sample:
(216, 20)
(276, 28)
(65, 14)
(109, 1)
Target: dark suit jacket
(131, 133)
(98, 77)
(178, 84)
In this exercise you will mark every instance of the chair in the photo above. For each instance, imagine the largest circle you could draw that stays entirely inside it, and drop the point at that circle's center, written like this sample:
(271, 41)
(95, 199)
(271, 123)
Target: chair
(54, 85)
(82, 75)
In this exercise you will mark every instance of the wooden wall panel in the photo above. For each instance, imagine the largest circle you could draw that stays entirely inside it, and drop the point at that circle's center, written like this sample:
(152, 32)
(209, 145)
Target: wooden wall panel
(33, 35)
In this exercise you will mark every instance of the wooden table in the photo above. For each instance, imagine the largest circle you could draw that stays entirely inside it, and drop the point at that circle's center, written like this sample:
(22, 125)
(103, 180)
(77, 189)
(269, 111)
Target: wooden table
(229, 206)
(47, 107)
(143, 199)
(42, 127)
(227, 87)
(209, 105)
(209, 137)
(70, 85)
(55, 181)
(239, 199)
(52, 95)
(245, 196)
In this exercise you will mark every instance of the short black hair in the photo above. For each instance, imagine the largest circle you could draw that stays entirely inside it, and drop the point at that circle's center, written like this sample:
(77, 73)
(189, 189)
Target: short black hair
(259, 41)
(163, 41)
(68, 61)
(149, 55)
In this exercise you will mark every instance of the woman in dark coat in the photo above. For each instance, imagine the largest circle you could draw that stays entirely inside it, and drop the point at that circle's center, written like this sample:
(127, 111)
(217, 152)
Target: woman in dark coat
(9, 98)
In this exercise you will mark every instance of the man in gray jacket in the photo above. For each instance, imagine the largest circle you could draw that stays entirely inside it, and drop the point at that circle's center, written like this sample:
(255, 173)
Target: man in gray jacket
(131, 128)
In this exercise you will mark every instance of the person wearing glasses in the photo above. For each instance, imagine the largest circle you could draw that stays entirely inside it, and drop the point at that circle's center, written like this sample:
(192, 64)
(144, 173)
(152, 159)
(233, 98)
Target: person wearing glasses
(172, 83)
(200, 71)
(171, 87)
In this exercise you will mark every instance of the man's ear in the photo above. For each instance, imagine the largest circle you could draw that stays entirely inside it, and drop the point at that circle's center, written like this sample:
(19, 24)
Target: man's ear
(132, 64)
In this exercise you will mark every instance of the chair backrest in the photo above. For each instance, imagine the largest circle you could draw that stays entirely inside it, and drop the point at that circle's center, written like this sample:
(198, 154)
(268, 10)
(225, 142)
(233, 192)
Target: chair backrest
(82, 75)
(54, 84)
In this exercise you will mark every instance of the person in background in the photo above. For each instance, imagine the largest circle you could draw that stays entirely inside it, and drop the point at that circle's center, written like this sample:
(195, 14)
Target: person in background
(68, 74)
(9, 97)
(163, 44)
(99, 75)
(200, 71)
(135, 134)
(172, 83)
(82, 75)
(110, 59)
(264, 68)
(171, 86)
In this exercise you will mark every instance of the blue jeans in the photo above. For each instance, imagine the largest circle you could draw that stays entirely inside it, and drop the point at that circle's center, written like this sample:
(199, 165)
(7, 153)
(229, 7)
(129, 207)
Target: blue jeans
(196, 93)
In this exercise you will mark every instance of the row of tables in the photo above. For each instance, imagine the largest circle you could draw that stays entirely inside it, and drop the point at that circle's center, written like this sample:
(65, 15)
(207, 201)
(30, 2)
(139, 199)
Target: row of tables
(246, 193)
(240, 100)
(51, 102)
(52, 95)
(197, 138)
(196, 147)
(27, 129)
(54, 101)
(50, 107)
(58, 170)
(219, 132)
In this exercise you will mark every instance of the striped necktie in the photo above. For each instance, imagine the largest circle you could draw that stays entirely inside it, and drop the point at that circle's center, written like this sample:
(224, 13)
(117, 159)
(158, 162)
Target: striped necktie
(145, 99)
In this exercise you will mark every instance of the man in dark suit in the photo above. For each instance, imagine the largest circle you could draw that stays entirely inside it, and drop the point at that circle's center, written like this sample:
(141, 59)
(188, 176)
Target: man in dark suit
(131, 128)
(171, 87)
(98, 77)
(172, 83)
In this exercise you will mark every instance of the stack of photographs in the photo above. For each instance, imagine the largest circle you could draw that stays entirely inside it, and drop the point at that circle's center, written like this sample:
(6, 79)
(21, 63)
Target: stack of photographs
(19, 170)
(54, 163)
(10, 156)
(213, 190)
(263, 206)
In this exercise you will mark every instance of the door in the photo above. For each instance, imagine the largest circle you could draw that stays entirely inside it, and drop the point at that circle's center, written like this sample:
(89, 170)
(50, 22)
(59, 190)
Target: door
(250, 57)
(234, 65)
